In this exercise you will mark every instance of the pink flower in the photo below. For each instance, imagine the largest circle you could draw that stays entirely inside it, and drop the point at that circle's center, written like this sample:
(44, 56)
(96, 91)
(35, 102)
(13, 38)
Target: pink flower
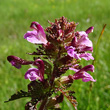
(37, 36)
(82, 74)
(36, 73)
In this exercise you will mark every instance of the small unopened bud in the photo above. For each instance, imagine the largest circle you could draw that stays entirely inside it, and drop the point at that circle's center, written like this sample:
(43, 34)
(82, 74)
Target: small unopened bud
(54, 101)
(65, 80)
(90, 29)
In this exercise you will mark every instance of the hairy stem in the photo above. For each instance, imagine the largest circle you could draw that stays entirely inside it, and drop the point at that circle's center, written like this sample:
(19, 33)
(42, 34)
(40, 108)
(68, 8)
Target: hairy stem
(55, 67)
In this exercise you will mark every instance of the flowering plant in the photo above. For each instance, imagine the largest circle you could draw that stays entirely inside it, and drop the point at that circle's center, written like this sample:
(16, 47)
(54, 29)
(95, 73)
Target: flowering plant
(59, 49)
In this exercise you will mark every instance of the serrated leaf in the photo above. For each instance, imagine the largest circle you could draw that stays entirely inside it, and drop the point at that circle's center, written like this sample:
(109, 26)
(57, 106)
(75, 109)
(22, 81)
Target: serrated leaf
(36, 89)
(18, 95)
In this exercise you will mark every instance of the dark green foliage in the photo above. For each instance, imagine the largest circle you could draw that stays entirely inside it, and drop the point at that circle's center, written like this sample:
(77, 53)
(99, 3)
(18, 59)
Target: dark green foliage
(18, 95)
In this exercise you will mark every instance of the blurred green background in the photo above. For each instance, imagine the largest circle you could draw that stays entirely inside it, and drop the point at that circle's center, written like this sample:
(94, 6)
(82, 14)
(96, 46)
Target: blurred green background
(15, 19)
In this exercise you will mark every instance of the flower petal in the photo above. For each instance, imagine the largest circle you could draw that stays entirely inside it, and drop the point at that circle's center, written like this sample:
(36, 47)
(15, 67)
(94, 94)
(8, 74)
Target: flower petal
(72, 53)
(87, 78)
(84, 49)
(83, 33)
(31, 37)
(84, 41)
(87, 68)
(86, 56)
(32, 74)
(37, 36)
(82, 74)
(40, 64)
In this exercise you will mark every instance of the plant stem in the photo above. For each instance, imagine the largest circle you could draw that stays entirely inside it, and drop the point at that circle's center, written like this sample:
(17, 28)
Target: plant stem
(43, 104)
(55, 67)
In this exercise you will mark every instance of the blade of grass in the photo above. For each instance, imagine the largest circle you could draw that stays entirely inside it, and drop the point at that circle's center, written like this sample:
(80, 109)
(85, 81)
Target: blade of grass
(97, 45)
(95, 57)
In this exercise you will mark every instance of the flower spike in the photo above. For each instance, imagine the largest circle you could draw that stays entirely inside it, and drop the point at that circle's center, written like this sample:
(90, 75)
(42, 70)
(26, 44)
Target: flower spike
(63, 51)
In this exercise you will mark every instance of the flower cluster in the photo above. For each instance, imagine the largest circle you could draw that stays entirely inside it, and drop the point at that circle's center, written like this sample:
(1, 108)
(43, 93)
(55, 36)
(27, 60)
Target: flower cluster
(59, 48)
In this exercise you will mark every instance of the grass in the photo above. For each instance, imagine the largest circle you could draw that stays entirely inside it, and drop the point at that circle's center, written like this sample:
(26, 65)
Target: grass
(15, 19)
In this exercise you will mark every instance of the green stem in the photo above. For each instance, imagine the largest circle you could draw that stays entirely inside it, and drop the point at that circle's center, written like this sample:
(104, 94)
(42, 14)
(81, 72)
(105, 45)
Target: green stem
(97, 45)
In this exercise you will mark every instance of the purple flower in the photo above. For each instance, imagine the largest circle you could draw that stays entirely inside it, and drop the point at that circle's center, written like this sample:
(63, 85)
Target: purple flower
(34, 73)
(17, 62)
(37, 36)
(72, 53)
(80, 45)
(82, 74)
